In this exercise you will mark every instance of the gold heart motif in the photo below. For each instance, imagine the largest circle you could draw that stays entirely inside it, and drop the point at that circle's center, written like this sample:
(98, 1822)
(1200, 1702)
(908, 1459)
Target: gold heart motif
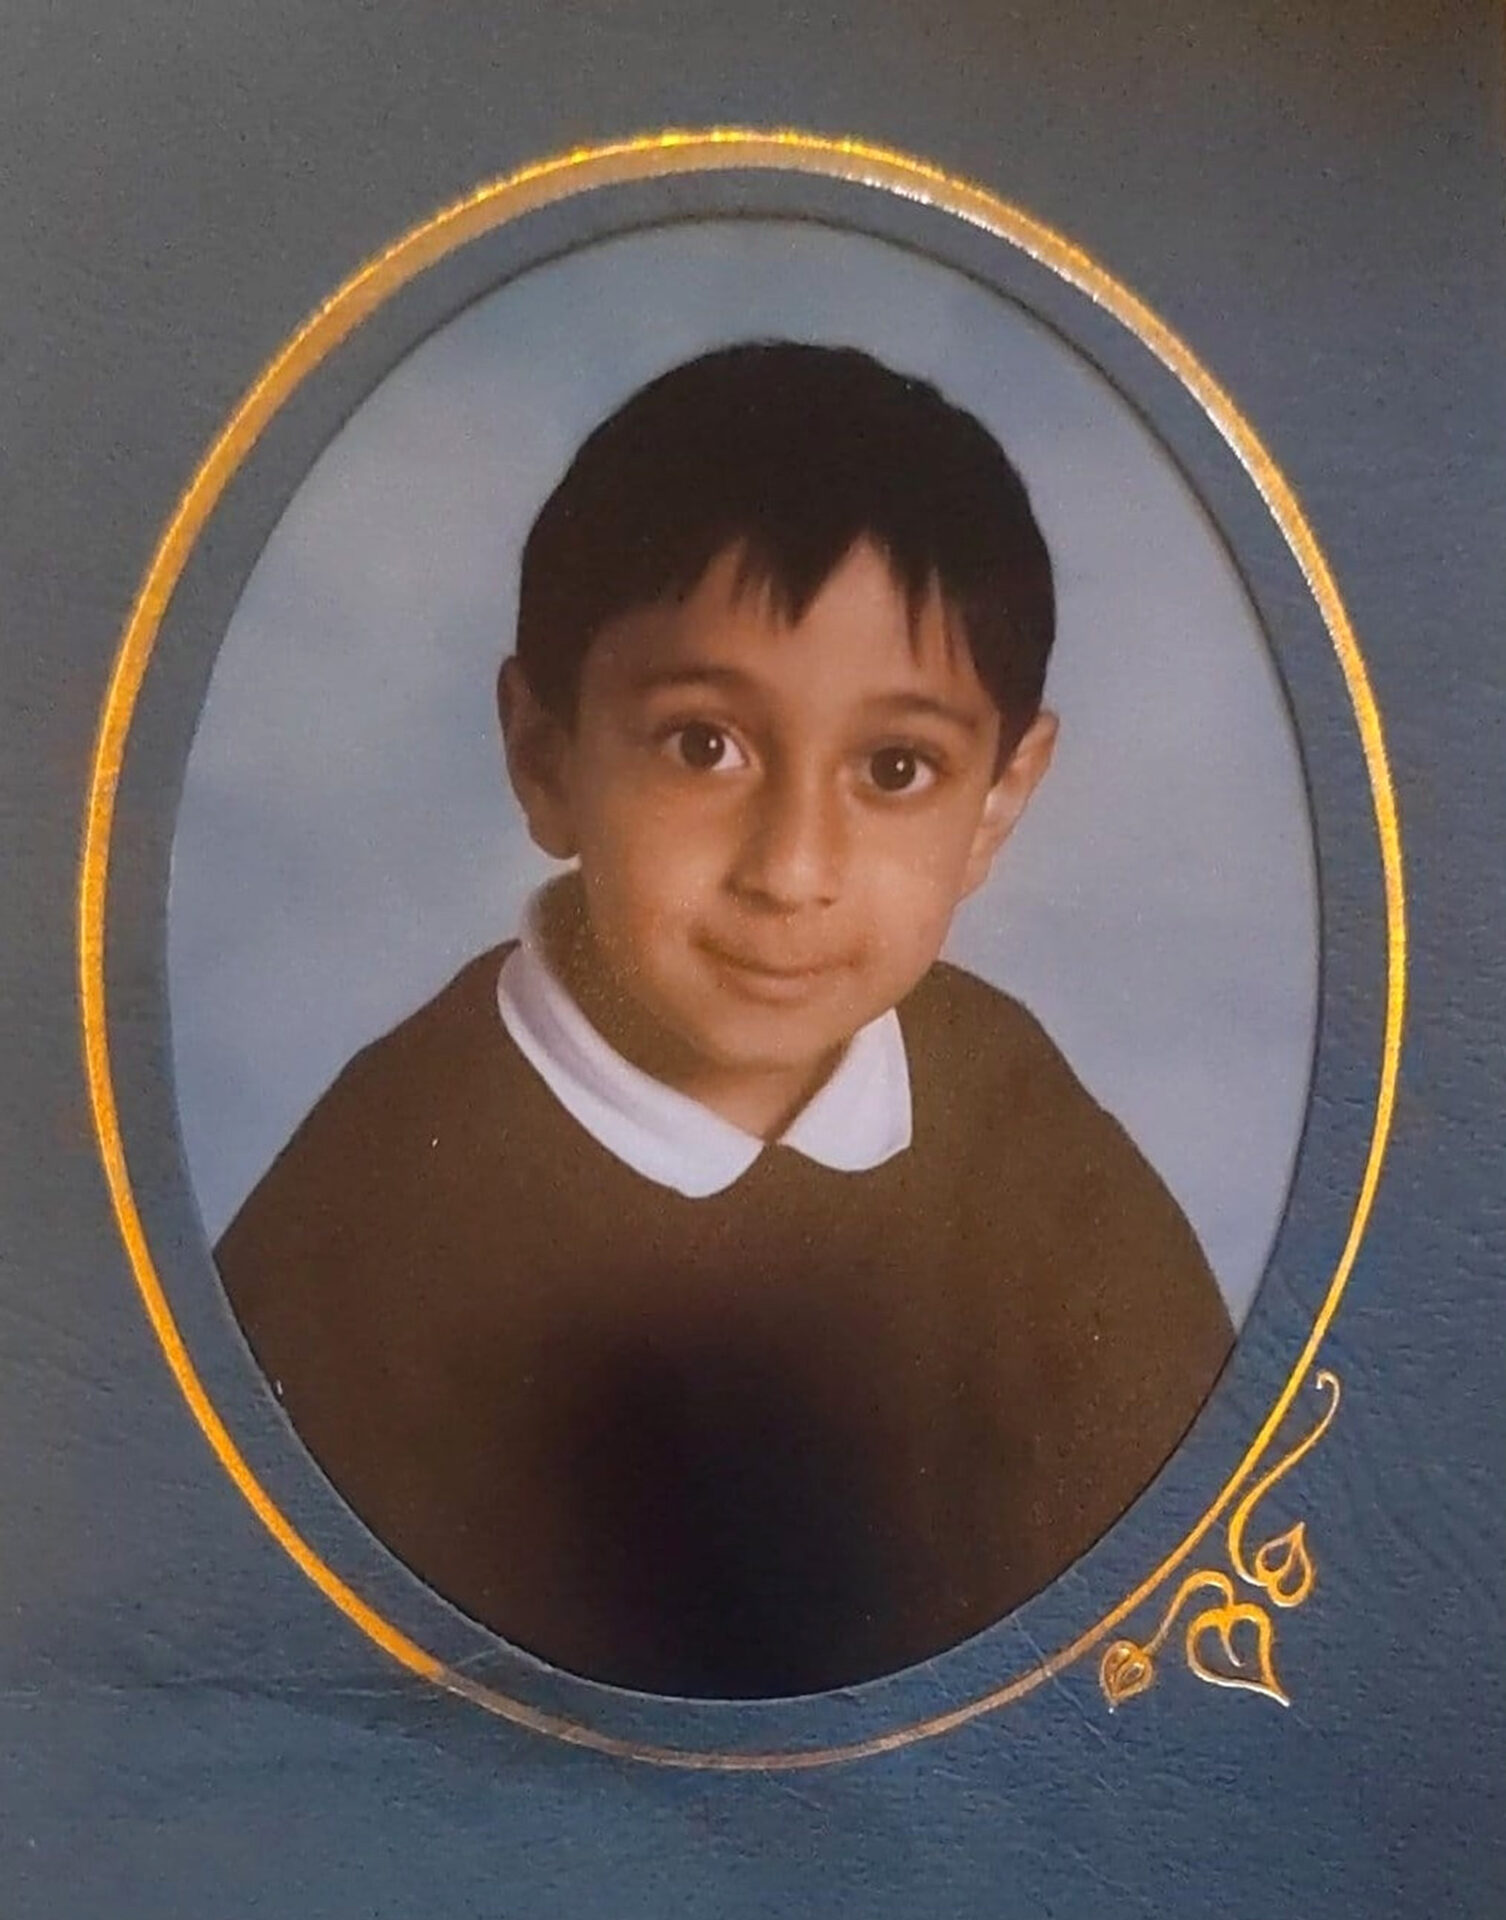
(1124, 1671)
(1230, 1642)
(1256, 1674)
(1284, 1568)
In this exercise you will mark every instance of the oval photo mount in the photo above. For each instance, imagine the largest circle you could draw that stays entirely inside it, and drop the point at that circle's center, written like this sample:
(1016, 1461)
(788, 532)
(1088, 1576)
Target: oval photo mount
(1146, 1579)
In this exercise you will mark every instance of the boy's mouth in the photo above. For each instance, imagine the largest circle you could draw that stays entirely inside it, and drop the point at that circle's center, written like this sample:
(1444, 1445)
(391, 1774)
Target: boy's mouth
(761, 978)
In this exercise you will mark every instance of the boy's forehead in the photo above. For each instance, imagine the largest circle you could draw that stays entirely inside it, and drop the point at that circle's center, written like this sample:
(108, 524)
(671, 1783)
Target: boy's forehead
(860, 630)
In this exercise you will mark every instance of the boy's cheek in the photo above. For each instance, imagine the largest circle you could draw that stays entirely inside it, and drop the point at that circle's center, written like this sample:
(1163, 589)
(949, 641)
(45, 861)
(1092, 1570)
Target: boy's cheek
(647, 885)
(671, 858)
(917, 885)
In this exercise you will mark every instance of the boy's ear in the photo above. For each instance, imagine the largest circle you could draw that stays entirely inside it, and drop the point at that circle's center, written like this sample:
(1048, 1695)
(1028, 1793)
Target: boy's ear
(1008, 797)
(535, 743)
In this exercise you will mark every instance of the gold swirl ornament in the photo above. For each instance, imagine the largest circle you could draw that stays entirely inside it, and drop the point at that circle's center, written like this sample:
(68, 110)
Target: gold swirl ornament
(1231, 1643)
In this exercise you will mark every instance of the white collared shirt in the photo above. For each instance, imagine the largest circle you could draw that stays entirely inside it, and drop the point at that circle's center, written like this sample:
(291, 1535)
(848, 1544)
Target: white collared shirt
(859, 1118)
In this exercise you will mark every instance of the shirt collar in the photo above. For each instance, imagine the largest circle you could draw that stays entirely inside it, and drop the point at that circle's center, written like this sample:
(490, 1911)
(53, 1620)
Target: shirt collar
(860, 1117)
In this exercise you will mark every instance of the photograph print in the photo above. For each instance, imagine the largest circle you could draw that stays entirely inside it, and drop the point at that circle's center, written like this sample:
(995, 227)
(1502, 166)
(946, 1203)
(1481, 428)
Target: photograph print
(743, 959)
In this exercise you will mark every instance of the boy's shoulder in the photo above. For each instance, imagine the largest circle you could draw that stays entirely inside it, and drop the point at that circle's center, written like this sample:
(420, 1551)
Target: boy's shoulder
(948, 1000)
(392, 1098)
(991, 1089)
(442, 1024)
(440, 1053)
(1037, 1164)
(967, 1038)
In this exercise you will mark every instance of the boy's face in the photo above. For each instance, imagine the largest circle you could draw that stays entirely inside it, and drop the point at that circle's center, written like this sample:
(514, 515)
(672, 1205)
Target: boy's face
(774, 823)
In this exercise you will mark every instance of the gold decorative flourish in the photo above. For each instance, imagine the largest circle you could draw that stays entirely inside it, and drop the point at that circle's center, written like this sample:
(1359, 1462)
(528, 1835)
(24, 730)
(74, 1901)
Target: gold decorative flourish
(1231, 1644)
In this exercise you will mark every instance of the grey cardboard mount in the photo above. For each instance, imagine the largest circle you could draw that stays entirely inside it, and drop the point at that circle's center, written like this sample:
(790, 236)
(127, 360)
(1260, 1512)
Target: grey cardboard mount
(1311, 197)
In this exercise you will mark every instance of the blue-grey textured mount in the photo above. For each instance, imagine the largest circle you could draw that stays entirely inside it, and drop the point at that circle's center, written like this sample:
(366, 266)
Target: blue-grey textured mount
(1311, 195)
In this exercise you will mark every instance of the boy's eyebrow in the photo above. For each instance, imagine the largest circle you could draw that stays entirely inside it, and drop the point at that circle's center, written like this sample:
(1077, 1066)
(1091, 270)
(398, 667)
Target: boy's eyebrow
(927, 706)
(657, 679)
(898, 705)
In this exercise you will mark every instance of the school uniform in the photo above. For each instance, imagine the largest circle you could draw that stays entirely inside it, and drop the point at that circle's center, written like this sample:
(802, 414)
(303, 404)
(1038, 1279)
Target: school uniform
(691, 1413)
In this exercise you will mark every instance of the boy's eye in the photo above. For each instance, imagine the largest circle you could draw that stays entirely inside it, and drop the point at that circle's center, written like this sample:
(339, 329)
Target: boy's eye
(900, 770)
(705, 748)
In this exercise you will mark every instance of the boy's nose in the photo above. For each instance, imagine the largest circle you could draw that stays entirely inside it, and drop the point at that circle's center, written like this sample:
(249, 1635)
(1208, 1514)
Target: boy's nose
(792, 844)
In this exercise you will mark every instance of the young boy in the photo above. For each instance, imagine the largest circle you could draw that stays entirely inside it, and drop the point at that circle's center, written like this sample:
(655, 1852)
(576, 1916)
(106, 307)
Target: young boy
(713, 1292)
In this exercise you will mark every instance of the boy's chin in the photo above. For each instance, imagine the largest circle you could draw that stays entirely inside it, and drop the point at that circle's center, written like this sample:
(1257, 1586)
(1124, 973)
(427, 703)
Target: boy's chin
(768, 1041)
(777, 1025)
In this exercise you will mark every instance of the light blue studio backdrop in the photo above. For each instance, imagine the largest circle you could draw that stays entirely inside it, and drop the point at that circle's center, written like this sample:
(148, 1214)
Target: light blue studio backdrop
(347, 839)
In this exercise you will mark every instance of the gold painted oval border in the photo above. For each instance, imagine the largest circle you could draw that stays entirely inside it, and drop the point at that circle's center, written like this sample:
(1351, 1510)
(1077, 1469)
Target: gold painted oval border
(527, 190)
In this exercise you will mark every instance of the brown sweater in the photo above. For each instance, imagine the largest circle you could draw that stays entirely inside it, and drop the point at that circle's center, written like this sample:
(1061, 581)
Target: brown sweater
(806, 1431)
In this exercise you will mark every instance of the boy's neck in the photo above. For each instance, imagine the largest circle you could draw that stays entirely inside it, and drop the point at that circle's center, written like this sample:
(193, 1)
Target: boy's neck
(763, 1104)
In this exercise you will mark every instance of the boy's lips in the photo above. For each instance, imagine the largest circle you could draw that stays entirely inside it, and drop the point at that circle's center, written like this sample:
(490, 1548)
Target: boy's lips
(766, 978)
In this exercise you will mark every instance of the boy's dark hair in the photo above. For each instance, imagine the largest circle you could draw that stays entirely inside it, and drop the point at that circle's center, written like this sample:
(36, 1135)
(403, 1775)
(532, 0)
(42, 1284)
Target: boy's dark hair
(791, 453)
